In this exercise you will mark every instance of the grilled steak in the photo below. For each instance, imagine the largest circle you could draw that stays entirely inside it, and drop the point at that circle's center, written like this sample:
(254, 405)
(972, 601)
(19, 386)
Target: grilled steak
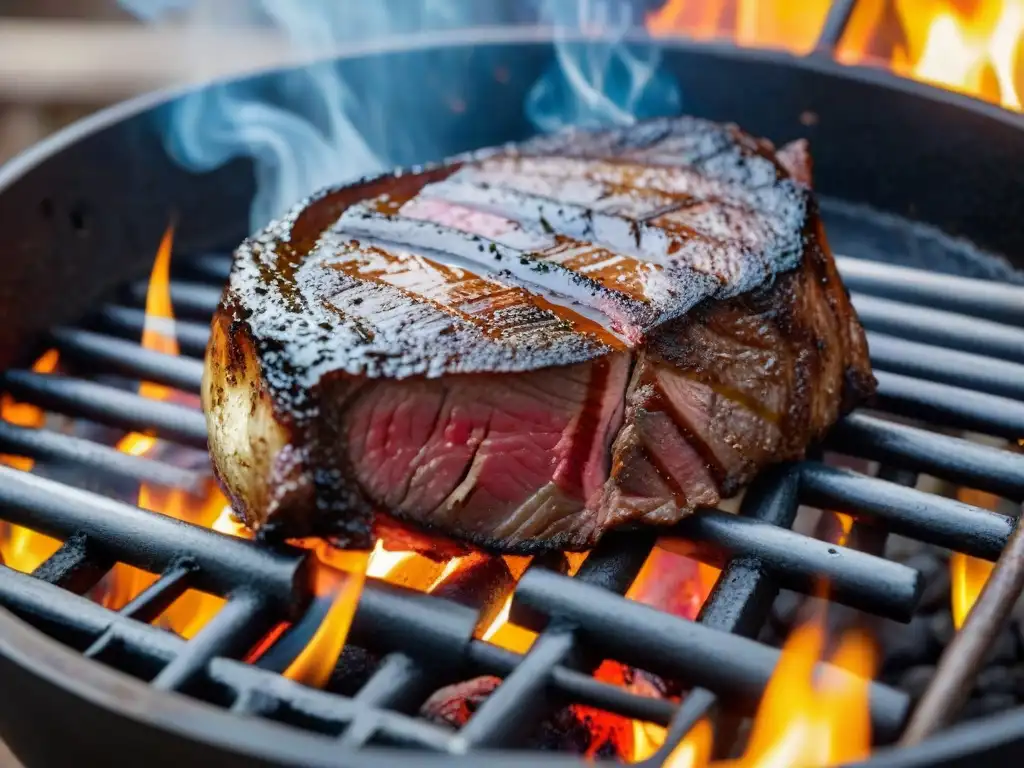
(525, 347)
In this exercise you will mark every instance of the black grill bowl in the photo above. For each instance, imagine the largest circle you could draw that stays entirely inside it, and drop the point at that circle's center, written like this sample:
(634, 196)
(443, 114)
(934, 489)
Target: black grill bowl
(81, 215)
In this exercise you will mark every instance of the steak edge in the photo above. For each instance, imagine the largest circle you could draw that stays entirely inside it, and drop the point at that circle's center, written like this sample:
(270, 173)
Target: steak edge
(525, 347)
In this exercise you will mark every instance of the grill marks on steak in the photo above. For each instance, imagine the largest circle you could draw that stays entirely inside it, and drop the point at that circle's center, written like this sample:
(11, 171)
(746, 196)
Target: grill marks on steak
(529, 346)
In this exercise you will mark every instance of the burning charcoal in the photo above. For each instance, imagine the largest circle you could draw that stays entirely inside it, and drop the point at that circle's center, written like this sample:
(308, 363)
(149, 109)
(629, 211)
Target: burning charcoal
(567, 730)
(453, 705)
(355, 666)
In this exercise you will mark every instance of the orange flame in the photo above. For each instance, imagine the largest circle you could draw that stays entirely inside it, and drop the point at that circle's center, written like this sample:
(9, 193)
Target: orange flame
(314, 664)
(969, 47)
(972, 47)
(783, 24)
(189, 613)
(846, 525)
(22, 548)
(694, 751)
(807, 722)
(968, 575)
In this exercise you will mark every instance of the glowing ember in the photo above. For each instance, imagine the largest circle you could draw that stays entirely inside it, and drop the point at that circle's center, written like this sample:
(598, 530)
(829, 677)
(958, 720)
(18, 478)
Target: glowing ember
(968, 575)
(968, 47)
(757, 23)
(814, 720)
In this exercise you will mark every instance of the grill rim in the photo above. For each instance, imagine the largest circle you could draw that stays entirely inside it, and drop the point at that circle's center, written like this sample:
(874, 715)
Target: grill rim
(22, 655)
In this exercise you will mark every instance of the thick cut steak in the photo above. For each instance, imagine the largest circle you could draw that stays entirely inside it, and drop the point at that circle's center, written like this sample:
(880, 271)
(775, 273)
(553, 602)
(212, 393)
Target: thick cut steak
(525, 347)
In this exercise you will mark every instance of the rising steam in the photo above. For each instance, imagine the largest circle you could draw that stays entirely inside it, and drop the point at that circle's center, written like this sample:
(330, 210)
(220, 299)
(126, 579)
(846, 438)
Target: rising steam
(316, 130)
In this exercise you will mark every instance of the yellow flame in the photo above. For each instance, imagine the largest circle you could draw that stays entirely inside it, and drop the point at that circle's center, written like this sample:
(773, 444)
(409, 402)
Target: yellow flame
(314, 664)
(190, 612)
(803, 722)
(694, 751)
(846, 525)
(968, 576)
(974, 48)
(22, 548)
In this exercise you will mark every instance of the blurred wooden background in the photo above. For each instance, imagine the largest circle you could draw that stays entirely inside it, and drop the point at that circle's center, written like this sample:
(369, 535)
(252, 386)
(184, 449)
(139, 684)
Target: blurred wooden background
(62, 59)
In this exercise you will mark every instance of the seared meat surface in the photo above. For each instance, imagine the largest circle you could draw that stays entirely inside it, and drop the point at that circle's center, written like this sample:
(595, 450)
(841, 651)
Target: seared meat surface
(525, 347)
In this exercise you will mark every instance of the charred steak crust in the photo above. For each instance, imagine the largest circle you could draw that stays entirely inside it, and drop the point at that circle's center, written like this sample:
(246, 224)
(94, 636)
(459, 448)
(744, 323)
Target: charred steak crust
(527, 346)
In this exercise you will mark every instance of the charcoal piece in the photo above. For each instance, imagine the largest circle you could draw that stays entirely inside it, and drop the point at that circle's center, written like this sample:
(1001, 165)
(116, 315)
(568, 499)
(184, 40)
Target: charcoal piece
(996, 680)
(942, 628)
(907, 645)
(354, 667)
(935, 576)
(569, 729)
(915, 680)
(1003, 650)
(988, 705)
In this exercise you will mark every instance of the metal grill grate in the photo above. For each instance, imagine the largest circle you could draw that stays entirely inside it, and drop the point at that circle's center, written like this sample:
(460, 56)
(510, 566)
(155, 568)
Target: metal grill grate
(948, 352)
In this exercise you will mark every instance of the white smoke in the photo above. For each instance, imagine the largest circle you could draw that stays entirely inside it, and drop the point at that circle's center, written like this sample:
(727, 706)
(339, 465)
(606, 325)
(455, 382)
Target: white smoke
(598, 79)
(307, 138)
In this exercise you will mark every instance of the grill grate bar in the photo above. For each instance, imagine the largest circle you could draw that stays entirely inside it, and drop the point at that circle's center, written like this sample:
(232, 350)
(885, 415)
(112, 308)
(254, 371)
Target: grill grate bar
(155, 542)
(572, 684)
(48, 606)
(131, 322)
(428, 641)
(951, 458)
(190, 300)
(523, 698)
(108, 405)
(962, 369)
(800, 562)
(952, 406)
(399, 684)
(242, 621)
(158, 596)
(940, 328)
(932, 519)
(73, 567)
(980, 298)
(729, 664)
(41, 444)
(209, 267)
(99, 352)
